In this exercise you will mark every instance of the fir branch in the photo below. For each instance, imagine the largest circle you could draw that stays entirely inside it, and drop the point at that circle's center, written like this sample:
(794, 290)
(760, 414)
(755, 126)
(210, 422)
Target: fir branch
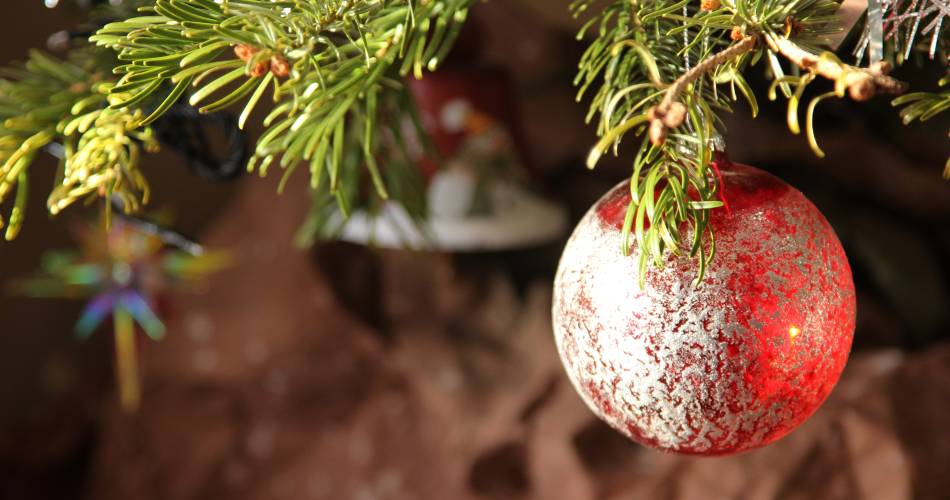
(399, 132)
(48, 102)
(327, 65)
(332, 68)
(671, 113)
(861, 83)
(637, 50)
(641, 45)
(104, 160)
(672, 95)
(923, 106)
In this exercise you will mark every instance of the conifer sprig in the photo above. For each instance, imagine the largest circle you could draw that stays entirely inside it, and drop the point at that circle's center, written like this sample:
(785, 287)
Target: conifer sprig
(664, 69)
(325, 65)
(333, 70)
(63, 104)
(923, 106)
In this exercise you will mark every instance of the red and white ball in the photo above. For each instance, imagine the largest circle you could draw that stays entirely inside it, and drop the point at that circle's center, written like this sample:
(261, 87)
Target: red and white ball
(728, 366)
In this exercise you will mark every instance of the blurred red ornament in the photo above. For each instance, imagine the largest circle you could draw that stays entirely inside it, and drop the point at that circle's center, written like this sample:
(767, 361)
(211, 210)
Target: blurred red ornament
(731, 365)
(459, 102)
(479, 195)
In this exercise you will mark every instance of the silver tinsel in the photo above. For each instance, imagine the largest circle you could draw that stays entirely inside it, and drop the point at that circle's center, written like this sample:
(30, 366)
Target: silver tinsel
(904, 23)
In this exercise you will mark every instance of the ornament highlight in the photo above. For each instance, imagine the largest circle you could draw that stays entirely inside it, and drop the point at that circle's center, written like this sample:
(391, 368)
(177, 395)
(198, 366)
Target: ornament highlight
(731, 365)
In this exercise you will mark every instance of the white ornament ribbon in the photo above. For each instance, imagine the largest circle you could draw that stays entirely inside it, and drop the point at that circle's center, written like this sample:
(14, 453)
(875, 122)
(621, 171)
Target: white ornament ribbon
(873, 37)
(849, 14)
(875, 31)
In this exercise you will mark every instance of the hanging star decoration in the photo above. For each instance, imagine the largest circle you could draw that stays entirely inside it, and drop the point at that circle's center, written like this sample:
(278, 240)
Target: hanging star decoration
(907, 23)
(122, 269)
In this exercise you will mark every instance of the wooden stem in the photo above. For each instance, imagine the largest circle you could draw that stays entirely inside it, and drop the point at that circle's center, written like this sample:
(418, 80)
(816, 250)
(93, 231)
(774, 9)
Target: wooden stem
(861, 83)
(671, 113)
(747, 44)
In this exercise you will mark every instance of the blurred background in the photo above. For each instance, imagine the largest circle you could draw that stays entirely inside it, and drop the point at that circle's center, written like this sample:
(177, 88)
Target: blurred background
(342, 372)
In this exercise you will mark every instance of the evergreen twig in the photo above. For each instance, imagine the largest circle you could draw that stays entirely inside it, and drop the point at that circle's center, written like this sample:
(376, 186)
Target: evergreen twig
(326, 65)
(924, 106)
(49, 102)
(671, 113)
(332, 69)
(861, 83)
(643, 43)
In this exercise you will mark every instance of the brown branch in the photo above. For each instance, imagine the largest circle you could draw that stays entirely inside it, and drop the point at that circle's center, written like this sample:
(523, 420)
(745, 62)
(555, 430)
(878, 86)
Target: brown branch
(861, 83)
(747, 44)
(671, 113)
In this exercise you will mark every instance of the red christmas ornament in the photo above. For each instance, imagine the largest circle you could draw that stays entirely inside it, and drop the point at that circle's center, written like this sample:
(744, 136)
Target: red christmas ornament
(460, 101)
(731, 365)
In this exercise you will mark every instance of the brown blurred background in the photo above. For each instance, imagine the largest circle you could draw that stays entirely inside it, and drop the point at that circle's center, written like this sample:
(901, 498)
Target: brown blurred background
(342, 373)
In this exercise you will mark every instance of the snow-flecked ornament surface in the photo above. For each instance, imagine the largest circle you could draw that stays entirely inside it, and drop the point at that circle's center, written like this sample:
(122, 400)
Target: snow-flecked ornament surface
(731, 365)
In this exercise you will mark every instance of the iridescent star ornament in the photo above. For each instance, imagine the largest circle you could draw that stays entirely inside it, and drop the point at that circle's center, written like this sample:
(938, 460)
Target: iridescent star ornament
(122, 270)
